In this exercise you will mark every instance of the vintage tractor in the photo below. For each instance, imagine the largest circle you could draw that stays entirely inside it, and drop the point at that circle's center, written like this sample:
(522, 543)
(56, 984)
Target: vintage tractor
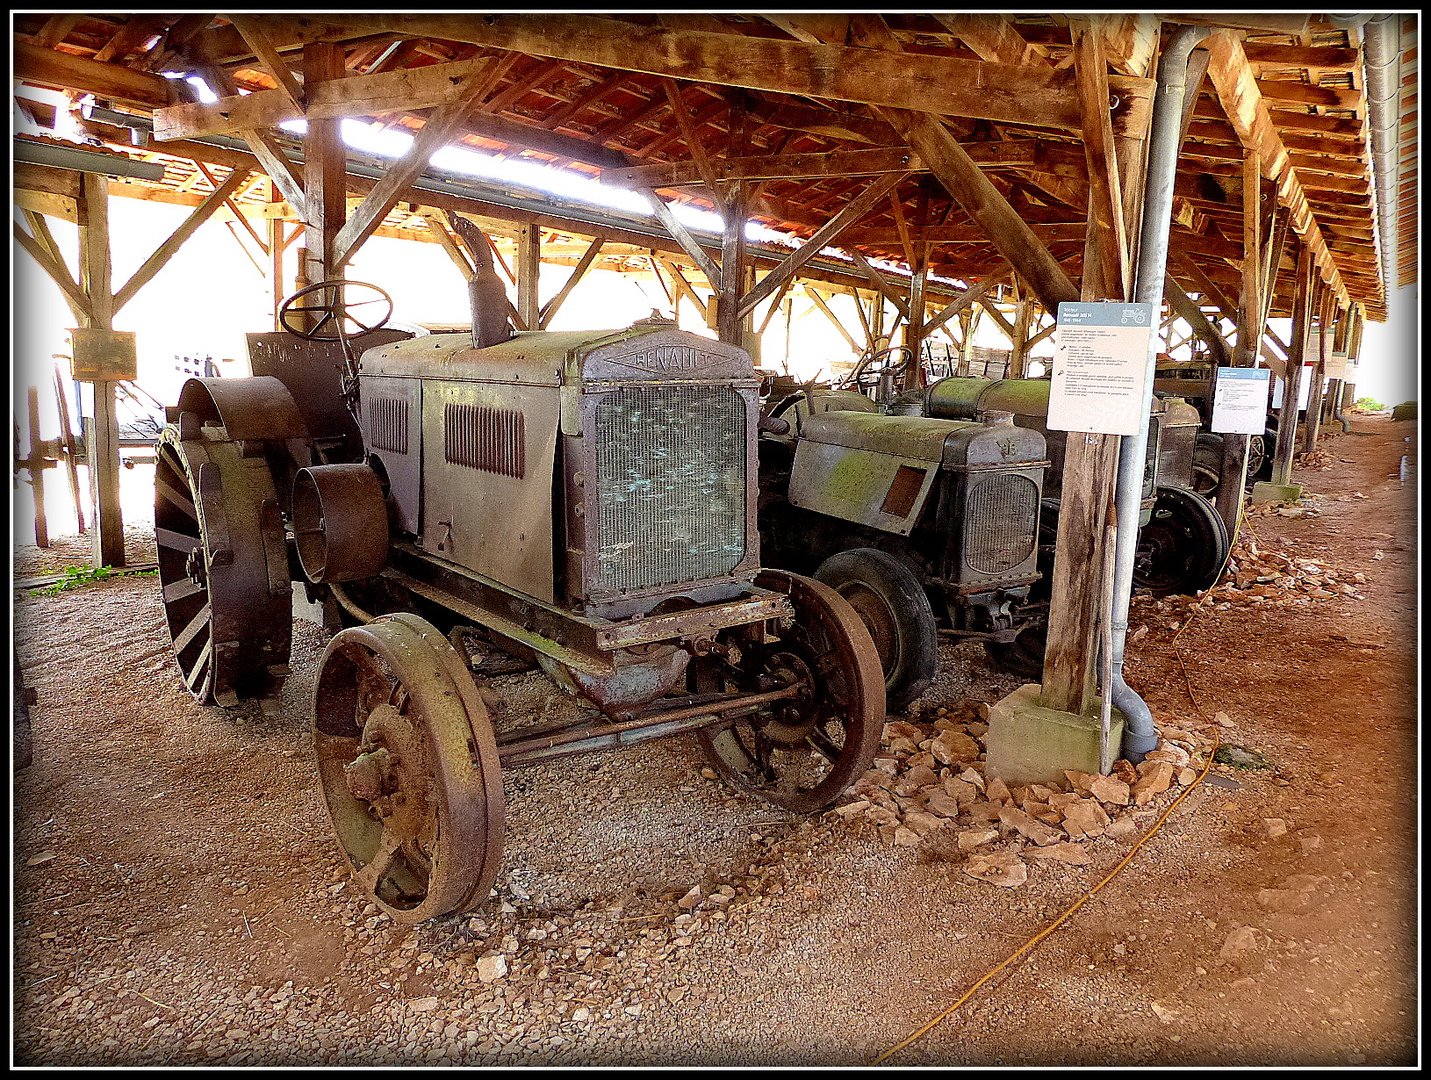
(1182, 541)
(1193, 381)
(472, 504)
(924, 525)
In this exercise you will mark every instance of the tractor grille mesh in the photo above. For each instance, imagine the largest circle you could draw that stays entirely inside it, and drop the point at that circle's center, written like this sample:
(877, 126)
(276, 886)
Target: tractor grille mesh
(1002, 523)
(671, 485)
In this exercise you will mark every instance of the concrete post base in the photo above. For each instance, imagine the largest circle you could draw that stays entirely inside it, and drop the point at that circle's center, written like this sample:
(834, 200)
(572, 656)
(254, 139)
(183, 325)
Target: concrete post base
(1029, 743)
(1263, 492)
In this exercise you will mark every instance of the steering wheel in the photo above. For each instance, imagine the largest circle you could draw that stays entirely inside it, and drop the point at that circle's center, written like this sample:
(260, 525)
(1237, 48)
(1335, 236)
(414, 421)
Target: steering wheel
(330, 299)
(871, 368)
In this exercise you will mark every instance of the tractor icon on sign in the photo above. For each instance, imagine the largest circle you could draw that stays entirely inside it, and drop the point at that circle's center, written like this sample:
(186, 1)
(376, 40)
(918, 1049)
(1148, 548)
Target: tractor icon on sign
(1134, 315)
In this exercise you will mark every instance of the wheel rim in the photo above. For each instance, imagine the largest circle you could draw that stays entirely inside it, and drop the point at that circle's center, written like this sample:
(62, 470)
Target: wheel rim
(1178, 550)
(1206, 479)
(801, 754)
(407, 761)
(878, 620)
(223, 568)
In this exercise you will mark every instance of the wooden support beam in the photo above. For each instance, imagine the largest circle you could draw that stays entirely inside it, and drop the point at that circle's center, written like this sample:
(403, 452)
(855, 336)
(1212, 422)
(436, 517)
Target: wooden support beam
(67, 71)
(973, 191)
(1241, 99)
(843, 163)
(880, 282)
(1191, 314)
(683, 236)
(1292, 381)
(834, 319)
(529, 265)
(276, 164)
(851, 212)
(993, 37)
(268, 58)
(1319, 374)
(552, 306)
(971, 88)
(1090, 470)
(186, 229)
(55, 269)
(683, 286)
(435, 133)
(444, 238)
(96, 281)
(694, 146)
(729, 310)
(1105, 192)
(324, 169)
(965, 300)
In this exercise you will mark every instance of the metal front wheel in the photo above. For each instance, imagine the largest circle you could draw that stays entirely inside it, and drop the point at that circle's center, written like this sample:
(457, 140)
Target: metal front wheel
(889, 599)
(407, 760)
(800, 754)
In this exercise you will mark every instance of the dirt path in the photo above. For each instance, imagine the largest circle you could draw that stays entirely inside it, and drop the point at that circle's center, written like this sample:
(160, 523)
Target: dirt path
(179, 900)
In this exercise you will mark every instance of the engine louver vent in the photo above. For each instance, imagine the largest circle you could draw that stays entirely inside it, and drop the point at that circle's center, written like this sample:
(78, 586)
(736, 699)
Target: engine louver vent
(493, 440)
(671, 485)
(1002, 523)
(387, 423)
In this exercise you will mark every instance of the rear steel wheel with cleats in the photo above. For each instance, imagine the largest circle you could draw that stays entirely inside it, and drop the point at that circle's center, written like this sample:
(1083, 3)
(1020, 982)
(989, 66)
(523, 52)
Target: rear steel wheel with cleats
(223, 567)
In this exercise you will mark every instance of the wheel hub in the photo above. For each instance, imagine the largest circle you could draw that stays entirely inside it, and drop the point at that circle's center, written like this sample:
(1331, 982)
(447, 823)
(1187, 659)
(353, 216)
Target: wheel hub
(195, 568)
(369, 776)
(794, 720)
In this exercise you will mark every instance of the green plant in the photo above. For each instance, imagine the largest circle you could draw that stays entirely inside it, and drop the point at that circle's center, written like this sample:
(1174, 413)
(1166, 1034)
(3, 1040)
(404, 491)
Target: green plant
(1366, 404)
(77, 576)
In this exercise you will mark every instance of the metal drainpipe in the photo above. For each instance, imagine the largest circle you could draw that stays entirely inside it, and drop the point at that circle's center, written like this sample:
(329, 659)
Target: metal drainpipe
(1165, 142)
(1381, 58)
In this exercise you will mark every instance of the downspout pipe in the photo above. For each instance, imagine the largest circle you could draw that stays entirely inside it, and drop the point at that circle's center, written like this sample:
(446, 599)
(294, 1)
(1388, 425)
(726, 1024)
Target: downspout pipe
(1165, 143)
(1381, 58)
(1381, 64)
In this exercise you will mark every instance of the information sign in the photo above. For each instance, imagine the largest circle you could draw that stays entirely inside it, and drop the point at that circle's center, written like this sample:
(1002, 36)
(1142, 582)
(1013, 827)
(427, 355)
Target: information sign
(1239, 401)
(1100, 367)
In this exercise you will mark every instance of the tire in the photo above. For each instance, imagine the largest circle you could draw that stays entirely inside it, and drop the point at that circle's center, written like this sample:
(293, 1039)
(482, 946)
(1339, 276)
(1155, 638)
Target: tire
(1207, 465)
(1259, 456)
(1183, 547)
(889, 599)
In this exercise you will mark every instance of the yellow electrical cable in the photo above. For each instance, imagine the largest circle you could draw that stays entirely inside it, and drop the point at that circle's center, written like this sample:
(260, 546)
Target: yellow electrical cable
(1216, 742)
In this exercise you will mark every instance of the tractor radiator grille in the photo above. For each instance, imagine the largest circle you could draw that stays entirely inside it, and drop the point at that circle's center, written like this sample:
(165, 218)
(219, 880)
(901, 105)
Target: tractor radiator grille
(671, 485)
(1002, 523)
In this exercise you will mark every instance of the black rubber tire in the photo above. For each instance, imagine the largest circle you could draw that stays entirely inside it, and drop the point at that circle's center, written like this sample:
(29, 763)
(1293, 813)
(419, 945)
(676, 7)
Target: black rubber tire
(889, 599)
(1259, 456)
(1207, 464)
(1184, 546)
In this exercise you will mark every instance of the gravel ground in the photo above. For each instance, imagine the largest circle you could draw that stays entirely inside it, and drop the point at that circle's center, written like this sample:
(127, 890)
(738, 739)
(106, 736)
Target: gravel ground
(179, 900)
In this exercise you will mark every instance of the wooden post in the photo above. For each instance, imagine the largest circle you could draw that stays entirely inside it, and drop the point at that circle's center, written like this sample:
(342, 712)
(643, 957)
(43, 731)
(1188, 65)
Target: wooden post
(1292, 384)
(96, 280)
(1319, 374)
(1019, 355)
(325, 187)
(529, 265)
(914, 328)
(1249, 338)
(1090, 475)
(732, 268)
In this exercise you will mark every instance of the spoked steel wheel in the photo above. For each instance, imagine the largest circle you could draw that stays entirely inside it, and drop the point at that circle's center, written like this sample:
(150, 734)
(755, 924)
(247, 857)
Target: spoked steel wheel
(408, 765)
(223, 567)
(800, 754)
(1183, 547)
